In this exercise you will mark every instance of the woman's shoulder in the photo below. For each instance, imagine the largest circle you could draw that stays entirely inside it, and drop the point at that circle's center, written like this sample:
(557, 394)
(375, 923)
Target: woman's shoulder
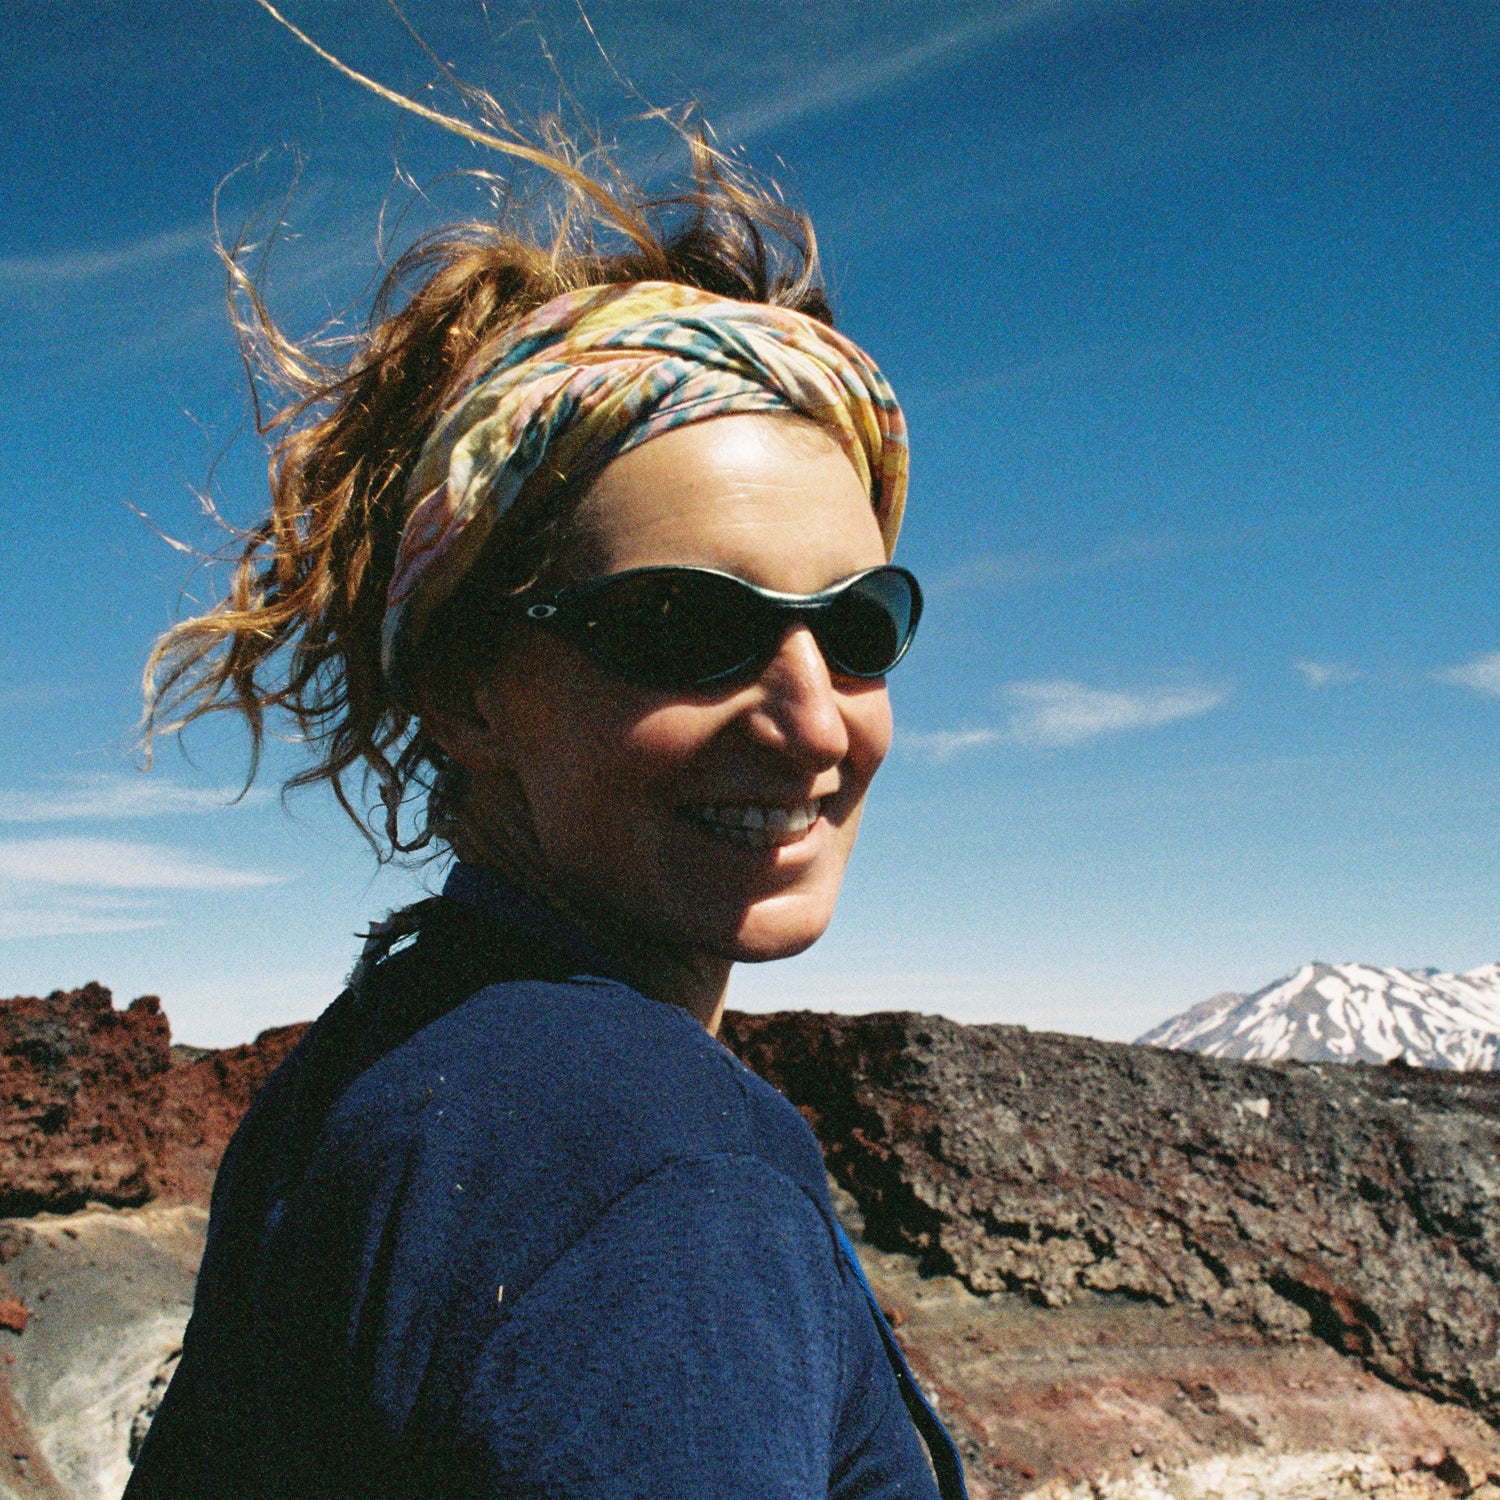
(584, 1074)
(583, 1036)
(522, 1116)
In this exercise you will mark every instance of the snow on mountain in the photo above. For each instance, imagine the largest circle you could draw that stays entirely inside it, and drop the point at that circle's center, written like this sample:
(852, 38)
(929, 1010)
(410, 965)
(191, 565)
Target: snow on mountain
(1350, 1013)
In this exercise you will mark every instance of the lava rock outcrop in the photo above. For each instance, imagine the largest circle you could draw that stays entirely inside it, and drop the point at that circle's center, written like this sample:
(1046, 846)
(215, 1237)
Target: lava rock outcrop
(97, 1106)
(1356, 1205)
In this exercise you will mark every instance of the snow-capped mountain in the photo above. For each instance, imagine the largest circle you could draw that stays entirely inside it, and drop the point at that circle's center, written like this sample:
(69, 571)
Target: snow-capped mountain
(1351, 1013)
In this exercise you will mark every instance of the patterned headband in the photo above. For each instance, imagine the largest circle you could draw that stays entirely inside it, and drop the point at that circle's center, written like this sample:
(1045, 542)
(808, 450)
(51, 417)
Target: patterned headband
(597, 372)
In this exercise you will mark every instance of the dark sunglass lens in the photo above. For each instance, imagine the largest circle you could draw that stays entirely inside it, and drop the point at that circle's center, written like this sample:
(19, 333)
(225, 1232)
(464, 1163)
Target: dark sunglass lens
(866, 628)
(671, 629)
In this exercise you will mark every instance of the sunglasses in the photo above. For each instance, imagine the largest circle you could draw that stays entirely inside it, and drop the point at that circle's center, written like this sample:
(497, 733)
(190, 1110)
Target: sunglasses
(684, 628)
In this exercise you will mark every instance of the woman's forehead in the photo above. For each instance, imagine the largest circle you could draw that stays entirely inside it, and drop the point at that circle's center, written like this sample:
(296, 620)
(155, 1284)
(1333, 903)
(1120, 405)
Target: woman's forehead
(769, 498)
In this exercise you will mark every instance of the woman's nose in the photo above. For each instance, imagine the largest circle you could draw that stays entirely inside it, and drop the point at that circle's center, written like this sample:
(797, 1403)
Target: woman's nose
(798, 711)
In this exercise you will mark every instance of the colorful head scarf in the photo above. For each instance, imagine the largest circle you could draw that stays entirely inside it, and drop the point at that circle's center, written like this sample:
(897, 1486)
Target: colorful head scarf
(597, 372)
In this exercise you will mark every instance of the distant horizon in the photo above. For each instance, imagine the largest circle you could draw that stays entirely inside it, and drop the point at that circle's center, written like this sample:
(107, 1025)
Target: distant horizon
(121, 1002)
(1195, 315)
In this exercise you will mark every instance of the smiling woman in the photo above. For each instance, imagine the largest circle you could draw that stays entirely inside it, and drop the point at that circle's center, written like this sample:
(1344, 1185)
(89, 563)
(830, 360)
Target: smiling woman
(585, 558)
(712, 825)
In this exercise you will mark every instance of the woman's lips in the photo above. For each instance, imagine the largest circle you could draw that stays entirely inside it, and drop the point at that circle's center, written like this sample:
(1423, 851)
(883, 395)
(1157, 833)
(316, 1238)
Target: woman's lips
(757, 825)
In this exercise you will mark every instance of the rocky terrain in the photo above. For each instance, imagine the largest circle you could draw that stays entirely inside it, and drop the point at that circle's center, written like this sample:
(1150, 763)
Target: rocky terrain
(97, 1106)
(1350, 1013)
(1121, 1271)
(1154, 1256)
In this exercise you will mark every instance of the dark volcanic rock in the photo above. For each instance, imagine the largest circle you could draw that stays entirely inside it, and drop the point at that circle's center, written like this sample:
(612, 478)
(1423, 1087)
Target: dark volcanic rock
(1113, 1397)
(1360, 1206)
(95, 1107)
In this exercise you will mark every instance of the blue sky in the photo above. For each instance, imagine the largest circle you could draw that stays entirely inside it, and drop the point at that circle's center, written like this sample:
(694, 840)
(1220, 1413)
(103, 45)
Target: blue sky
(1193, 309)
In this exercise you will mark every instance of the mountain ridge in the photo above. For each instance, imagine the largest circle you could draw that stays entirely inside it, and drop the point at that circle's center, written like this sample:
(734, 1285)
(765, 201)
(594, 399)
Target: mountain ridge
(1349, 1013)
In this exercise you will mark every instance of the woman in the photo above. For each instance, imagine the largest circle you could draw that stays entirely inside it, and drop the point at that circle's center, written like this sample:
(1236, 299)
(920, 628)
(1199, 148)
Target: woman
(587, 555)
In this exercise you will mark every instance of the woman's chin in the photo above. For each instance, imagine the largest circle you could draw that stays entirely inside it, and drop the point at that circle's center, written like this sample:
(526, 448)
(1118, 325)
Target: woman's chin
(767, 953)
(780, 927)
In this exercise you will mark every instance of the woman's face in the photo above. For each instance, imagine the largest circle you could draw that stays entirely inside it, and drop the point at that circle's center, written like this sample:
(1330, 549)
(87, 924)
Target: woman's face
(623, 793)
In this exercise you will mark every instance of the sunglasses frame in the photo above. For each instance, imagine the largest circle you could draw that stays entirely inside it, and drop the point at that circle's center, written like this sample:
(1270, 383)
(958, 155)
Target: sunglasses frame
(555, 612)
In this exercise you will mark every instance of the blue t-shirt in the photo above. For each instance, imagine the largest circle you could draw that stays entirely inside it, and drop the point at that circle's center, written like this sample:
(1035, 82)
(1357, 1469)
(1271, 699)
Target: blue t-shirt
(557, 1242)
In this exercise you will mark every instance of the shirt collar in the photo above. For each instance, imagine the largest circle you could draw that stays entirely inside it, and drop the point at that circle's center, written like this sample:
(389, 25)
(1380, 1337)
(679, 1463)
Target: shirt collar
(485, 892)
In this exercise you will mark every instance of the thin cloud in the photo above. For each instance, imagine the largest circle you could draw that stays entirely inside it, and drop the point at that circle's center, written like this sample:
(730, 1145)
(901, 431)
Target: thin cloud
(1060, 713)
(1482, 674)
(113, 864)
(69, 267)
(1321, 674)
(1008, 570)
(111, 797)
(850, 80)
(69, 919)
(944, 744)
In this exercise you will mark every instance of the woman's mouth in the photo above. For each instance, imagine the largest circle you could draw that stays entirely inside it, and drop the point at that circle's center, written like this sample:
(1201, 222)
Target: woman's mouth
(756, 825)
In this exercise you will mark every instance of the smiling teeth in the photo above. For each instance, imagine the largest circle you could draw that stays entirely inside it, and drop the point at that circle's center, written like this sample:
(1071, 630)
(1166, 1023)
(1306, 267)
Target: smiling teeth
(754, 826)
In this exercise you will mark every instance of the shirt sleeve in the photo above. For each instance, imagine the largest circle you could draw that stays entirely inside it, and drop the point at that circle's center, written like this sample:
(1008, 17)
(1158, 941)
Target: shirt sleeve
(877, 1451)
(692, 1344)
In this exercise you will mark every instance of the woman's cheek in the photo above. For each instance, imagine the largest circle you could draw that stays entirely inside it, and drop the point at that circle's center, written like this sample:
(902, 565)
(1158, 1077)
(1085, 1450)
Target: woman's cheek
(871, 727)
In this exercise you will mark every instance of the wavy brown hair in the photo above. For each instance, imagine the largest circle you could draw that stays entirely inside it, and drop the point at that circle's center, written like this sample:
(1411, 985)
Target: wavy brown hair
(297, 635)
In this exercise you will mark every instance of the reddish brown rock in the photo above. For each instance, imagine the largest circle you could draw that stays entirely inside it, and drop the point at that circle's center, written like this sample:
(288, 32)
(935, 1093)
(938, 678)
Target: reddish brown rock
(94, 1108)
(74, 1074)
(203, 1098)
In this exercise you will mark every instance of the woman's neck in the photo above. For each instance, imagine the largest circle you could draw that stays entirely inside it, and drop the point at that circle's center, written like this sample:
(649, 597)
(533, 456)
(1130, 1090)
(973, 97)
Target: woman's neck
(692, 980)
